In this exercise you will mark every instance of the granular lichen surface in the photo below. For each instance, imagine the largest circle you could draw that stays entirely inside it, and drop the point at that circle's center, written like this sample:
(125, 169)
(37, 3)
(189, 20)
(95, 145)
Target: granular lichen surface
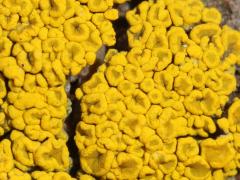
(165, 106)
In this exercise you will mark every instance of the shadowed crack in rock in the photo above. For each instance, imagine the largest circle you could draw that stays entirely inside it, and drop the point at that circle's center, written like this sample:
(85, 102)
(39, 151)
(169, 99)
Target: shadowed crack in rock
(75, 116)
(120, 26)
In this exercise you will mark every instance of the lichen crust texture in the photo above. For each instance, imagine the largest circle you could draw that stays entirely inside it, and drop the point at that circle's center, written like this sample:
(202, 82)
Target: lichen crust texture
(162, 109)
(42, 44)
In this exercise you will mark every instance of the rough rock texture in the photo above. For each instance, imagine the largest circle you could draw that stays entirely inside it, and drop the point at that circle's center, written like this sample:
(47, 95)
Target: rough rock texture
(229, 10)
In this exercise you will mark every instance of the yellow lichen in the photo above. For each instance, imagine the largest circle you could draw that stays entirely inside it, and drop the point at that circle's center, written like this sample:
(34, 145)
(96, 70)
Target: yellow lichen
(168, 88)
(96, 161)
(197, 168)
(218, 153)
(187, 148)
(52, 155)
(6, 156)
(140, 112)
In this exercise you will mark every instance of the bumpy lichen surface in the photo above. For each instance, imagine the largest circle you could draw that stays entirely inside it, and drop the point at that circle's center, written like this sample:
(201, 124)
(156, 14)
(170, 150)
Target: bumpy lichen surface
(148, 113)
(152, 112)
(41, 43)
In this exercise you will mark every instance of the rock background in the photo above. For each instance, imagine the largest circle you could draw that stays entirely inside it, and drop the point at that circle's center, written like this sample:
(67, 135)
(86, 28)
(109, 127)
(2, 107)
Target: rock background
(230, 10)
